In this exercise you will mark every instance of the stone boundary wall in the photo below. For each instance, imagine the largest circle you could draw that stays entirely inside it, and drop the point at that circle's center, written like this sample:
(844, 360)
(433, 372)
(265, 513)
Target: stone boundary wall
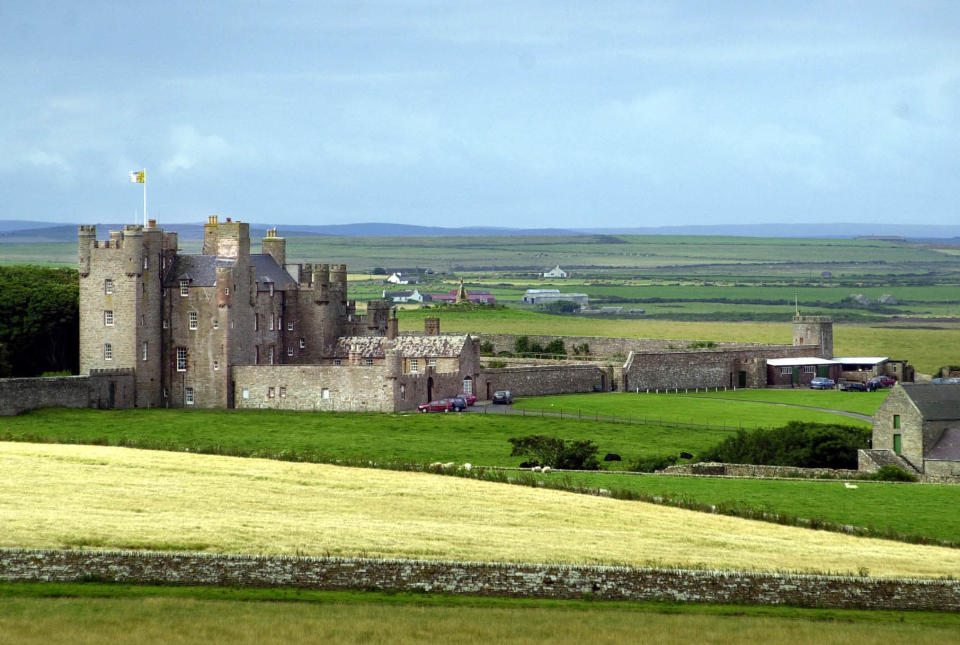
(482, 579)
(539, 380)
(19, 395)
(606, 347)
(765, 472)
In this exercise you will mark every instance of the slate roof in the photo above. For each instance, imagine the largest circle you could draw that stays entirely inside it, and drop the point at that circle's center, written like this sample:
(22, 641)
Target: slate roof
(796, 362)
(266, 269)
(948, 447)
(412, 346)
(936, 402)
(201, 271)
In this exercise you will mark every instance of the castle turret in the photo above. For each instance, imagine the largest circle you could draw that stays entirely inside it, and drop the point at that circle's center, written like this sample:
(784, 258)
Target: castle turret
(86, 236)
(814, 330)
(132, 244)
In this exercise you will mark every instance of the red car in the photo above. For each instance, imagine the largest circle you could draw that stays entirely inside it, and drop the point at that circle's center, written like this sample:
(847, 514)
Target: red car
(443, 405)
(471, 398)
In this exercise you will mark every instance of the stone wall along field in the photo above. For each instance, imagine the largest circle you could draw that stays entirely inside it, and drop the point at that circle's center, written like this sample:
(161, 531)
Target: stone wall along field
(482, 579)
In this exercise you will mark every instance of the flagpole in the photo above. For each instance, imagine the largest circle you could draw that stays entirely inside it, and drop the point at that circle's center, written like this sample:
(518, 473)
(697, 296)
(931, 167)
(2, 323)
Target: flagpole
(144, 198)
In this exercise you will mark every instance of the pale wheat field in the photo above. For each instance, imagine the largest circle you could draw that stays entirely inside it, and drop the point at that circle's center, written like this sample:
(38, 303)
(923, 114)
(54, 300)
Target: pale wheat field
(55, 496)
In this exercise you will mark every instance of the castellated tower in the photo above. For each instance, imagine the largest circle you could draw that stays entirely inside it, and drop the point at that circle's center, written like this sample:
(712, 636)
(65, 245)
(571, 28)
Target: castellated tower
(121, 304)
(814, 330)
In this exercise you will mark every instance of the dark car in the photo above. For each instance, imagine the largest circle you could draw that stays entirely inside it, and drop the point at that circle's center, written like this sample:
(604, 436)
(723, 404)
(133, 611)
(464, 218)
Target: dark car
(503, 396)
(470, 398)
(441, 405)
(459, 403)
(853, 386)
(822, 383)
(878, 382)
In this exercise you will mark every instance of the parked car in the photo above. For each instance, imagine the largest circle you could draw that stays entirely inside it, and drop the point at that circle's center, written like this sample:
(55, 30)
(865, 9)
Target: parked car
(459, 403)
(503, 396)
(822, 383)
(853, 386)
(881, 381)
(441, 405)
(471, 398)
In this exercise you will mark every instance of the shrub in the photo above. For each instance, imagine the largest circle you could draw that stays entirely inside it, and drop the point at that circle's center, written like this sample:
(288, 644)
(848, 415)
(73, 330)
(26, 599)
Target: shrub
(495, 364)
(651, 464)
(555, 347)
(486, 348)
(557, 453)
(893, 473)
(799, 444)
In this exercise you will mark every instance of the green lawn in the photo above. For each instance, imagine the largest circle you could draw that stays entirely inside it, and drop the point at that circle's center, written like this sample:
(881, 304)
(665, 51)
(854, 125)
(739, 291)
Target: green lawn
(735, 412)
(326, 437)
(97, 613)
(908, 509)
(861, 402)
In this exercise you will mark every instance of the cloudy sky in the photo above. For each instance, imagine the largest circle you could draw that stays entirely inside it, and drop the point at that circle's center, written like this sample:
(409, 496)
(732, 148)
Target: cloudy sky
(519, 113)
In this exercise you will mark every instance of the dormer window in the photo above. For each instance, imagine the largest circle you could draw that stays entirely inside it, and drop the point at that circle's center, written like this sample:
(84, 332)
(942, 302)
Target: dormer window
(184, 288)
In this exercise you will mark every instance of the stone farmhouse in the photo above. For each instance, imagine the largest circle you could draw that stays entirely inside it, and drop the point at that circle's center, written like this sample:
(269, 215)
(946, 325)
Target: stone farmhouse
(230, 328)
(917, 427)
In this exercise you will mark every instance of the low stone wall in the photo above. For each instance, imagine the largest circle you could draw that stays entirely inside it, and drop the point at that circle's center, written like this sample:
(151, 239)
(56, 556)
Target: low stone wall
(482, 579)
(19, 395)
(539, 380)
(750, 470)
(603, 347)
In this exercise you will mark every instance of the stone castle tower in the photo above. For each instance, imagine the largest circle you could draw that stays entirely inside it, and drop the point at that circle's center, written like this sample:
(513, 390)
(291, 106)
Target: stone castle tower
(814, 330)
(181, 322)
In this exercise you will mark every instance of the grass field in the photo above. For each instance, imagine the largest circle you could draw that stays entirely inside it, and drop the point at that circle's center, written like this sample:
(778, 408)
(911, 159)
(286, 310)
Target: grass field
(93, 614)
(325, 437)
(860, 402)
(736, 410)
(926, 348)
(55, 496)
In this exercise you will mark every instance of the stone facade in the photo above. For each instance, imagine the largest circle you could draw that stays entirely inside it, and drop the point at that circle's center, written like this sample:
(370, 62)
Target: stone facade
(918, 427)
(715, 469)
(536, 380)
(183, 323)
(483, 579)
(99, 389)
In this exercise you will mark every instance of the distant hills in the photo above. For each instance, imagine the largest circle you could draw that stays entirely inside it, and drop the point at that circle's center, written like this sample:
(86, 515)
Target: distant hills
(25, 231)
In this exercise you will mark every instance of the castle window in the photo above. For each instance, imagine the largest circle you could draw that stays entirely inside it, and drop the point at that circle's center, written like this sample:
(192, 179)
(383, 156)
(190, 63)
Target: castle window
(184, 288)
(368, 361)
(181, 359)
(226, 291)
(289, 351)
(283, 392)
(256, 322)
(193, 319)
(166, 393)
(271, 289)
(896, 422)
(414, 365)
(271, 392)
(108, 318)
(245, 394)
(216, 365)
(270, 355)
(303, 343)
(146, 262)
(432, 362)
(188, 396)
(279, 323)
(108, 286)
(271, 322)
(143, 320)
(468, 385)
(403, 392)
(107, 352)
(166, 324)
(289, 326)
(143, 287)
(324, 393)
(336, 361)
(216, 324)
(143, 351)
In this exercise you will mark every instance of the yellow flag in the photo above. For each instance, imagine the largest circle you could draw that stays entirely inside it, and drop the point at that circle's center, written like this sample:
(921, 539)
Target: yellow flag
(138, 177)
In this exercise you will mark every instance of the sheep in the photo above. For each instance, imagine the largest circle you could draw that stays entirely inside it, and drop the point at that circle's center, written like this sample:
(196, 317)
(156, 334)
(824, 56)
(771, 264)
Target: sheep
(467, 466)
(545, 469)
(849, 485)
(536, 469)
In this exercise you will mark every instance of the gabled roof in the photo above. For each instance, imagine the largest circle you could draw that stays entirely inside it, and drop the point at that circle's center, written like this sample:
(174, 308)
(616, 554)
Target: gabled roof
(444, 346)
(266, 269)
(947, 447)
(200, 270)
(936, 402)
(860, 360)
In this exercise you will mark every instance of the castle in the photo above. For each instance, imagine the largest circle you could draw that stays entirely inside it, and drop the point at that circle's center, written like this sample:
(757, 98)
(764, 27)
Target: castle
(230, 328)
